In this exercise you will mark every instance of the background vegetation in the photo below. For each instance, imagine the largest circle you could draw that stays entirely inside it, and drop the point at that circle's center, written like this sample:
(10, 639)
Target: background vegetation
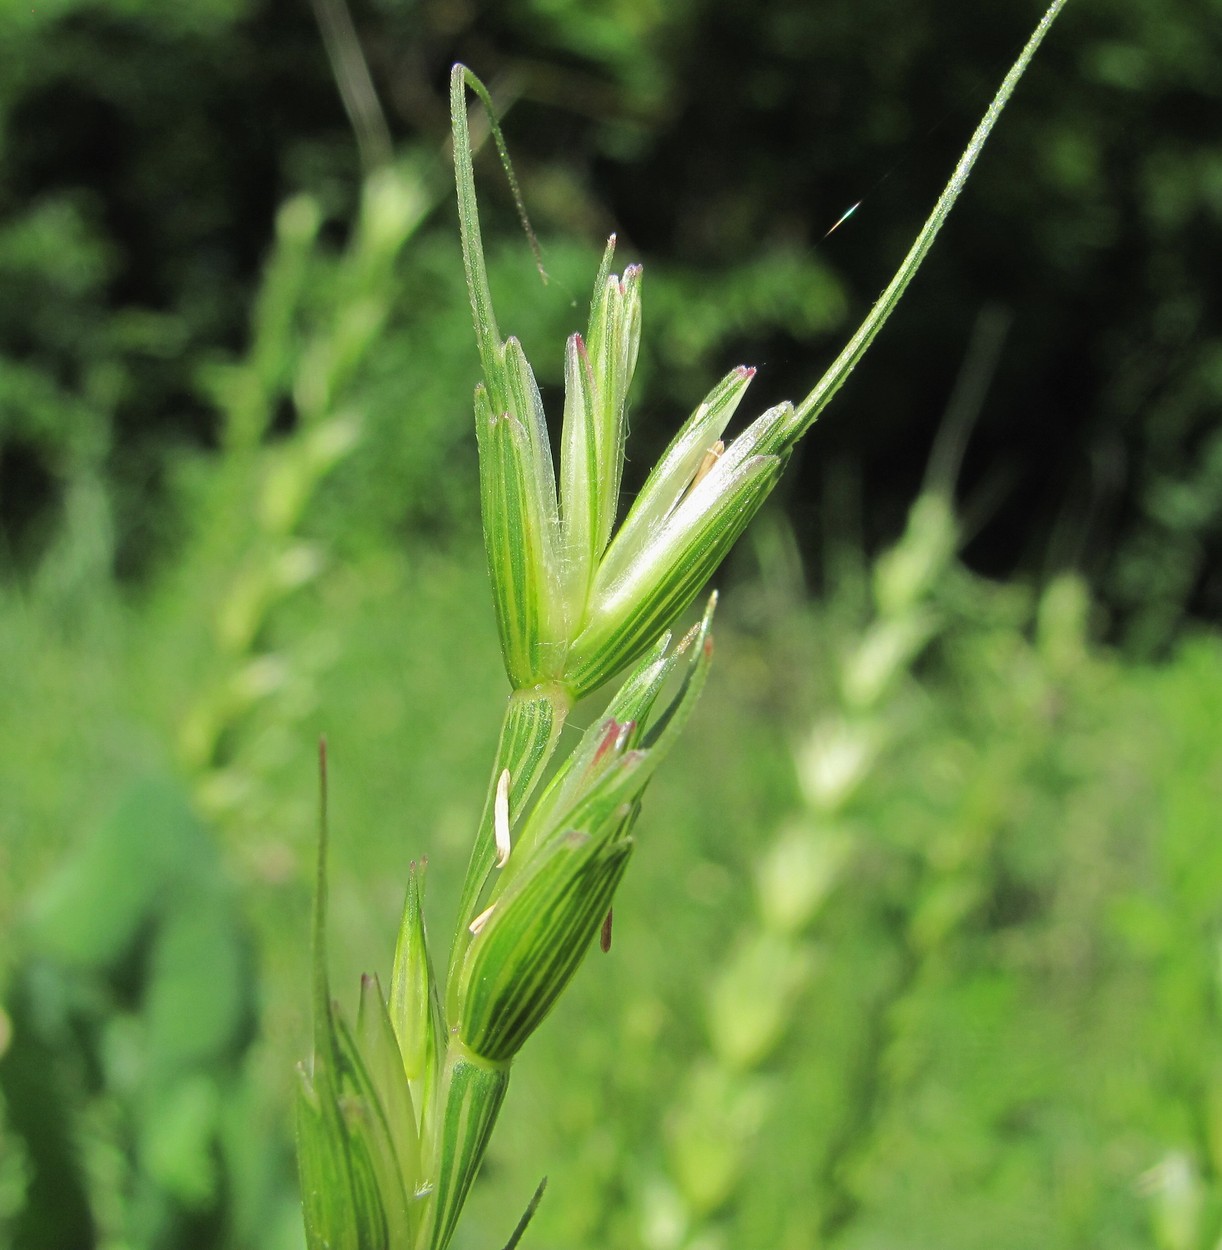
(922, 943)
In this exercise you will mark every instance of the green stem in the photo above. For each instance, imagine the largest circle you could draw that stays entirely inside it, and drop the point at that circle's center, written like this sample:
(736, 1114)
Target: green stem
(472, 1092)
(856, 348)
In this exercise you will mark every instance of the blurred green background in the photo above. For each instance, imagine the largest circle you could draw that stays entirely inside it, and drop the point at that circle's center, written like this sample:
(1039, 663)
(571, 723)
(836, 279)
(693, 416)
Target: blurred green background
(922, 946)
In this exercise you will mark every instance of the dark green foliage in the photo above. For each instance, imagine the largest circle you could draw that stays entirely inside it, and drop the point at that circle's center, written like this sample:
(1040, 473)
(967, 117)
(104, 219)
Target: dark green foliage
(131, 1012)
(147, 147)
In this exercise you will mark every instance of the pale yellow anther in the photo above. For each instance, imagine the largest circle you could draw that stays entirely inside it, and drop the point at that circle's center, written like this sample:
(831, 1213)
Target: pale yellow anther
(500, 819)
(482, 919)
(706, 465)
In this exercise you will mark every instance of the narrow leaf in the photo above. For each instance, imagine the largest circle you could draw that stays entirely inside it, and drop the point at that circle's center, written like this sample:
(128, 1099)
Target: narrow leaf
(856, 348)
(529, 1214)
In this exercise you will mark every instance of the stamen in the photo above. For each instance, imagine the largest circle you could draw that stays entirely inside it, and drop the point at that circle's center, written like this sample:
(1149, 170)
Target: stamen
(482, 919)
(711, 457)
(500, 819)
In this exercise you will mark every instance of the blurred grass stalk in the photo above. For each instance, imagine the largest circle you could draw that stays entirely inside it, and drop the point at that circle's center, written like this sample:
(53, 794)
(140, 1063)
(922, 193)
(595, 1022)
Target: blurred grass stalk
(144, 901)
(752, 1000)
(395, 1116)
(303, 359)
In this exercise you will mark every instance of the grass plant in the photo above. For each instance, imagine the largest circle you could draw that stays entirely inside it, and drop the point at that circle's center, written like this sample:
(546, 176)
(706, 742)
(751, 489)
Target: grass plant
(395, 1115)
(1003, 1028)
